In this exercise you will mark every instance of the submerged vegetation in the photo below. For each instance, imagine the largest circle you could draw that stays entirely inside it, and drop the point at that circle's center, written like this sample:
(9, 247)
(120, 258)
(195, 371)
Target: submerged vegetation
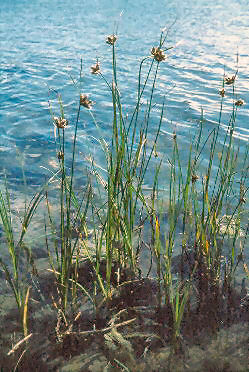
(96, 309)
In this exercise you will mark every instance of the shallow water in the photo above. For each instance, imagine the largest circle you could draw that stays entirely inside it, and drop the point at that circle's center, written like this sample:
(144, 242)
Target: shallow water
(42, 43)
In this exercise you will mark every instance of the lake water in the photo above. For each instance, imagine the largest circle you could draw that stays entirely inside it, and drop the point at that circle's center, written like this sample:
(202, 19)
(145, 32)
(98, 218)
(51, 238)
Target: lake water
(42, 42)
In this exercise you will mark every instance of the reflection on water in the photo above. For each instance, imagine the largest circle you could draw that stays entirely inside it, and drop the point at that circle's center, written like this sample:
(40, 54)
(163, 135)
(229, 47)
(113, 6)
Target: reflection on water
(43, 41)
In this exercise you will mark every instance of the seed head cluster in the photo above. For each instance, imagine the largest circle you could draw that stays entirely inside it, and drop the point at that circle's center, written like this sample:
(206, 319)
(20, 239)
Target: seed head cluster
(85, 101)
(158, 54)
(240, 102)
(111, 39)
(229, 80)
(95, 69)
(222, 92)
(60, 122)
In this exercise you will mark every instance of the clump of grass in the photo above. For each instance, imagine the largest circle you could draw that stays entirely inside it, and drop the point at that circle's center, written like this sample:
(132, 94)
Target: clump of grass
(202, 204)
(16, 268)
(66, 253)
(127, 159)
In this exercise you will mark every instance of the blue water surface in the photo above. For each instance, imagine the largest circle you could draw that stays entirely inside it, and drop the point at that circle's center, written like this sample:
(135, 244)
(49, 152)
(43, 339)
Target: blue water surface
(43, 41)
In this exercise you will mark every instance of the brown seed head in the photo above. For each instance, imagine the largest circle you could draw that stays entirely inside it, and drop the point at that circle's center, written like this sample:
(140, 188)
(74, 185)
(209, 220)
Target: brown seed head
(229, 80)
(60, 122)
(194, 178)
(222, 92)
(95, 68)
(158, 54)
(84, 101)
(111, 39)
(240, 102)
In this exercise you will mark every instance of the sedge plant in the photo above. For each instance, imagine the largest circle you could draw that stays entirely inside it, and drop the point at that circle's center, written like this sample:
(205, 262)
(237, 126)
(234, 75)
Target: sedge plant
(15, 268)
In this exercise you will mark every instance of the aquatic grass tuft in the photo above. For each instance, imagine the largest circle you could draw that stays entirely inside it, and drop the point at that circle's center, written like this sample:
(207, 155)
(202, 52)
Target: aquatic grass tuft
(66, 252)
(195, 201)
(18, 253)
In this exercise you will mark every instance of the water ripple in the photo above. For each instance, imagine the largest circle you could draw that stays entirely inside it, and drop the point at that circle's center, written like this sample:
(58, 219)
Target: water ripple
(43, 41)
